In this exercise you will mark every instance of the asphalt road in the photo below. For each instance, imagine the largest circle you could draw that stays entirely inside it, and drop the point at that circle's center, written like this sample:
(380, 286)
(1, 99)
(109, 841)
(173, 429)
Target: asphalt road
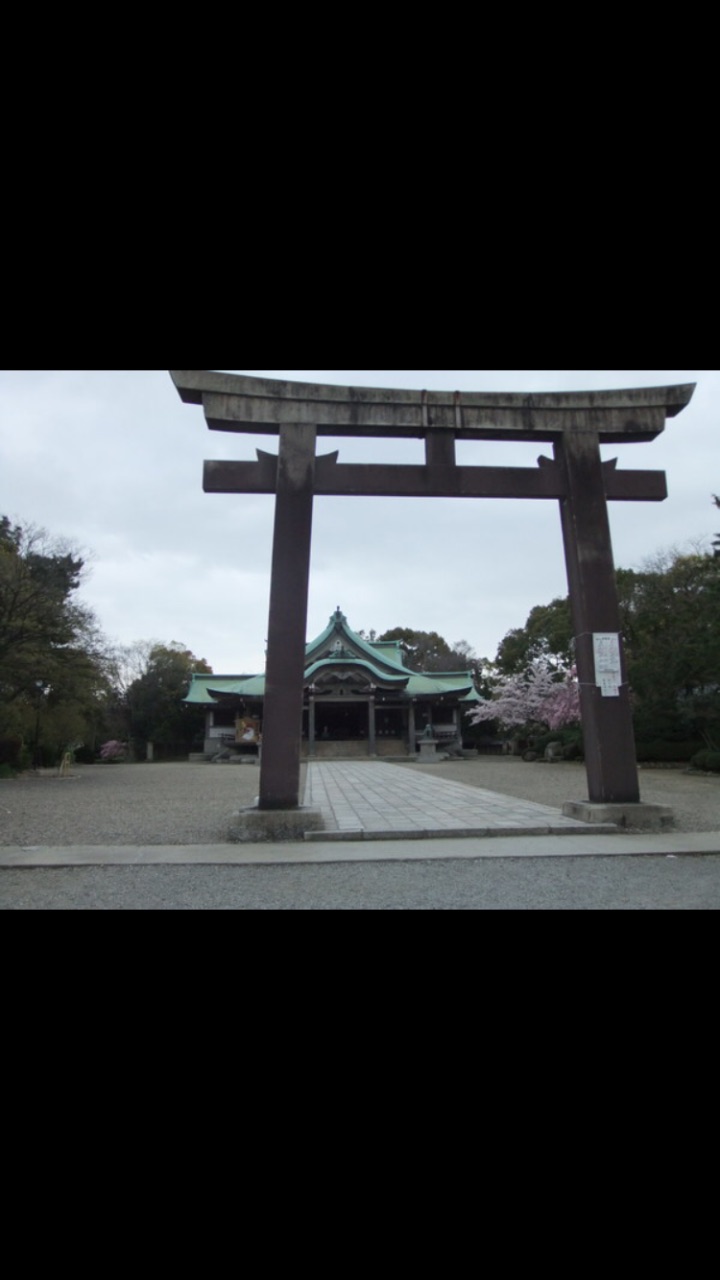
(651, 883)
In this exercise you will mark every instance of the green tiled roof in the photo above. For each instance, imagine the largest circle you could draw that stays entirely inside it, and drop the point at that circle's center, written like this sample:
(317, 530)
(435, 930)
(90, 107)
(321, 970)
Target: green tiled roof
(202, 687)
(336, 648)
(438, 685)
(385, 654)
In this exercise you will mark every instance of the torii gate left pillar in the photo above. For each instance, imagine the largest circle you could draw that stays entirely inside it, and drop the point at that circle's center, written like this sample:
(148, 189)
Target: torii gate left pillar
(287, 621)
(575, 423)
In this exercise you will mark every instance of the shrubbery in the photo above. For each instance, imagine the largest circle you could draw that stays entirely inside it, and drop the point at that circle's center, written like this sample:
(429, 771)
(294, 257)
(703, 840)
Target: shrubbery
(14, 756)
(707, 761)
(666, 752)
(570, 740)
(10, 748)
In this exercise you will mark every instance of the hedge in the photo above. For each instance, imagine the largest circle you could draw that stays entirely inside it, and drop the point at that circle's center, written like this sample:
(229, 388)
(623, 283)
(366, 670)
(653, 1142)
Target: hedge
(707, 761)
(666, 751)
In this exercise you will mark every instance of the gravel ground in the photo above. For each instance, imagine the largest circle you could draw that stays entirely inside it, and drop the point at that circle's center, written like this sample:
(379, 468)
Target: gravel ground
(126, 804)
(191, 803)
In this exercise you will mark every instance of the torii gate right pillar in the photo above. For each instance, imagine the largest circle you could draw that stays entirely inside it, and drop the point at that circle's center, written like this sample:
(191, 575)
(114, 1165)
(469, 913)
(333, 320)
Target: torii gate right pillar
(607, 724)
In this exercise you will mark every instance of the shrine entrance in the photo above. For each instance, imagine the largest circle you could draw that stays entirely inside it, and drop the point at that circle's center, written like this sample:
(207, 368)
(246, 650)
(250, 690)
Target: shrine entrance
(341, 721)
(574, 423)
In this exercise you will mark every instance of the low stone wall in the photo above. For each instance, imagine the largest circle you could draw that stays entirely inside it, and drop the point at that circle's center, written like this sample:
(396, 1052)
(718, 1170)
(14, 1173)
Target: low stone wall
(391, 747)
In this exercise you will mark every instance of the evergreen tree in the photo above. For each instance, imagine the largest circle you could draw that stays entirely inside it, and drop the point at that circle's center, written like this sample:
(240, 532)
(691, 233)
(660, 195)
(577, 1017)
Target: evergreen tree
(153, 701)
(53, 658)
(428, 651)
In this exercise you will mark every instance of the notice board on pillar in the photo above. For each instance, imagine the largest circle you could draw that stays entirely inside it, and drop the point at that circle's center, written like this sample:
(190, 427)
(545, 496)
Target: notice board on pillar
(606, 650)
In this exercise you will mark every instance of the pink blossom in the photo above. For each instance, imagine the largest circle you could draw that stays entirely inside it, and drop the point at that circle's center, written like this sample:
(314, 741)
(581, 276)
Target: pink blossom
(535, 697)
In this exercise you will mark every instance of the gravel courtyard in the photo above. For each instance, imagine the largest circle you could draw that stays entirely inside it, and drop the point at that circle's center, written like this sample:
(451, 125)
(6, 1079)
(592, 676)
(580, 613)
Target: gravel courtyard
(189, 803)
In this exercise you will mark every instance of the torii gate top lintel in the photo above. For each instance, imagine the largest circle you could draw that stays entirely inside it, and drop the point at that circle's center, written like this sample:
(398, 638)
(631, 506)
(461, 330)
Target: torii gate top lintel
(234, 402)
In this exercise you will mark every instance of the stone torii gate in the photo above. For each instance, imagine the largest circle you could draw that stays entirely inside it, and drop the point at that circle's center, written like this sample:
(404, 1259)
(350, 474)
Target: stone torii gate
(575, 423)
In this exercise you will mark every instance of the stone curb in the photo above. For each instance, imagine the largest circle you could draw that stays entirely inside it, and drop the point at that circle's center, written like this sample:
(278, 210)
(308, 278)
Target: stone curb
(459, 833)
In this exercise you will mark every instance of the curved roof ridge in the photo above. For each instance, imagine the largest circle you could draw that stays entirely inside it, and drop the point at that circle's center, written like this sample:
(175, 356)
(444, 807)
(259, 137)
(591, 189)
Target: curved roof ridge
(338, 624)
(449, 675)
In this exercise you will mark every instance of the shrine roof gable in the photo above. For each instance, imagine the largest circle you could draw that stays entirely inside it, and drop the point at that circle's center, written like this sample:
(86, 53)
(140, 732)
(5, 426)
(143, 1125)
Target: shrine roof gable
(339, 642)
(344, 667)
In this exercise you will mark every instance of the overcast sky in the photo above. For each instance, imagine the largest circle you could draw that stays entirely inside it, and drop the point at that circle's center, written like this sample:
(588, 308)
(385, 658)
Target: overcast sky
(113, 462)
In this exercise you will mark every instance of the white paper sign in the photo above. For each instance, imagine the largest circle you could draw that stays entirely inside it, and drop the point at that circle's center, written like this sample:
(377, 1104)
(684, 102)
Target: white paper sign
(606, 649)
(609, 687)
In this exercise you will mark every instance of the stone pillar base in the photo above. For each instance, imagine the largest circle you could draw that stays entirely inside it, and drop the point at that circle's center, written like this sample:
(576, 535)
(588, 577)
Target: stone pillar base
(258, 826)
(633, 817)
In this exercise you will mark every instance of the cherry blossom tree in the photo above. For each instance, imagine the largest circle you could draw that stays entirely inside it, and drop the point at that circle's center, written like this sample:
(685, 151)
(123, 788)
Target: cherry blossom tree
(535, 698)
(562, 705)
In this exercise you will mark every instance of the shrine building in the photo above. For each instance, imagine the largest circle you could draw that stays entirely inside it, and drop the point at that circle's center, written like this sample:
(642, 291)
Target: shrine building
(359, 699)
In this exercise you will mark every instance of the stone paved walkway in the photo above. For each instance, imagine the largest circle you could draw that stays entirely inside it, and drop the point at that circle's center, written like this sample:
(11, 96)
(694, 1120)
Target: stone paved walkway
(370, 800)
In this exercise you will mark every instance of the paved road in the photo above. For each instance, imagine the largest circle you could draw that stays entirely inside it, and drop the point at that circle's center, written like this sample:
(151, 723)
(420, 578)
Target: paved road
(569, 883)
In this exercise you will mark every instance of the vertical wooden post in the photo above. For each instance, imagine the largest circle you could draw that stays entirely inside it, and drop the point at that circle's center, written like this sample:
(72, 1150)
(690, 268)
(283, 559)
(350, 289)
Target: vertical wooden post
(411, 728)
(372, 743)
(311, 726)
(287, 623)
(606, 721)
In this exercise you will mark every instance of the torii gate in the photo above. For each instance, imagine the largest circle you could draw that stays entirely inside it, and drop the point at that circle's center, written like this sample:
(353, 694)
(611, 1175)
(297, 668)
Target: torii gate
(576, 423)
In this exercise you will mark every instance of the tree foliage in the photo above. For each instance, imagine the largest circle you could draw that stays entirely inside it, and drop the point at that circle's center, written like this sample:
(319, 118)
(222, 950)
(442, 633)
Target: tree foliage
(670, 624)
(428, 651)
(62, 685)
(153, 700)
(671, 629)
(41, 628)
(54, 673)
(547, 635)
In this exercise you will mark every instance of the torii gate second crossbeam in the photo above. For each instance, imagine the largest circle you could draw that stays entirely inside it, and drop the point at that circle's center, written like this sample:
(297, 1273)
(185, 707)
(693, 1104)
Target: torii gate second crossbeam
(575, 423)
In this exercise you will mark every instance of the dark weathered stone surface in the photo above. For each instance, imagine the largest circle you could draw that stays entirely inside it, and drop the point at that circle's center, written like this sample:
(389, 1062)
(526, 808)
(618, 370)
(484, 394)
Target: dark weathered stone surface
(631, 817)
(257, 826)
(432, 481)
(233, 402)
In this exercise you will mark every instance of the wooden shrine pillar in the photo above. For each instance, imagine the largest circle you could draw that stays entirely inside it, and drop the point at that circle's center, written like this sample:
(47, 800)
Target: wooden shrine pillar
(606, 714)
(372, 741)
(311, 725)
(287, 622)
